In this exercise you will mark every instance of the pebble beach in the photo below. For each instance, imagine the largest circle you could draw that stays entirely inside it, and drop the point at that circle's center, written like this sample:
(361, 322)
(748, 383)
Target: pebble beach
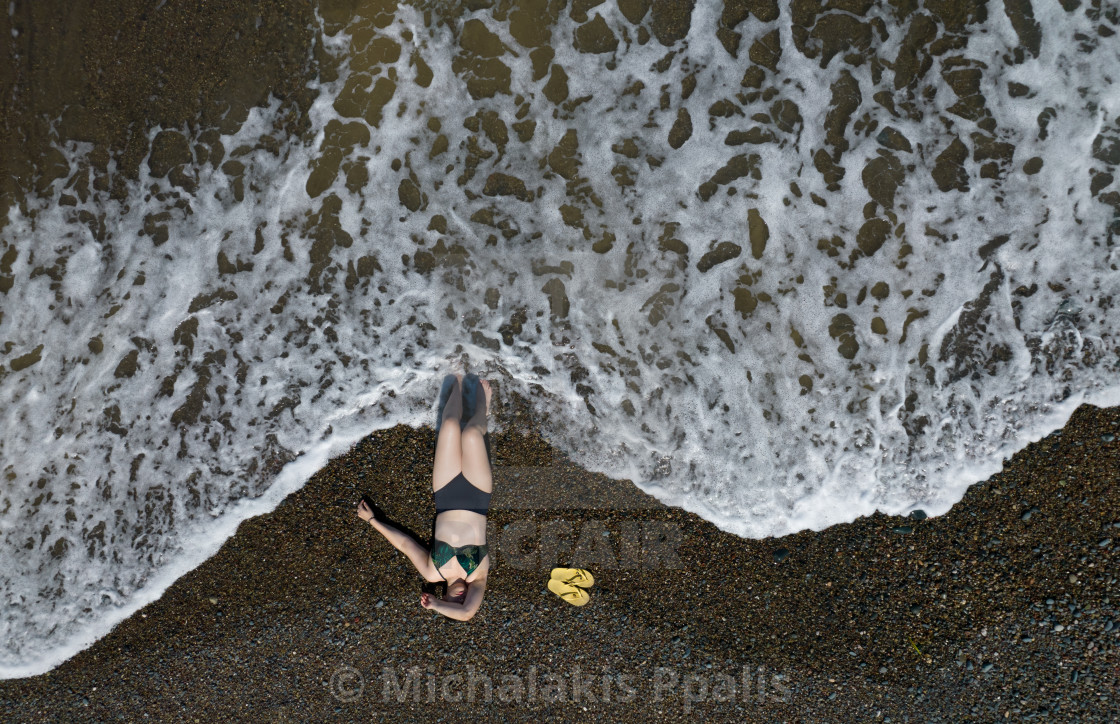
(1004, 609)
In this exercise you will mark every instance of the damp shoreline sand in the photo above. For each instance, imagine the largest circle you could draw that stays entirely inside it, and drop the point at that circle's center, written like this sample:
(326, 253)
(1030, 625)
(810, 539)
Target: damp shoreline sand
(307, 615)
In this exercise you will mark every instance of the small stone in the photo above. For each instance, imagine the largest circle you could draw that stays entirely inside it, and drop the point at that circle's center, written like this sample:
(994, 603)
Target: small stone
(780, 555)
(1109, 625)
(1027, 514)
(1073, 579)
(214, 601)
(1105, 543)
(379, 604)
(915, 609)
(1108, 437)
(987, 667)
(882, 669)
(902, 529)
(918, 515)
(1059, 628)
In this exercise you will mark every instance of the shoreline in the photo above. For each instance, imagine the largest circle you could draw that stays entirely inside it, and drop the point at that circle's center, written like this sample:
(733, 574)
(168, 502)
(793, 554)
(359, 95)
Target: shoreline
(305, 615)
(857, 622)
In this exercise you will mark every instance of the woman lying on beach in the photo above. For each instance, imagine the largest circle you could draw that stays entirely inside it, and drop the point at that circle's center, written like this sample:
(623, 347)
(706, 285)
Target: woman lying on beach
(461, 486)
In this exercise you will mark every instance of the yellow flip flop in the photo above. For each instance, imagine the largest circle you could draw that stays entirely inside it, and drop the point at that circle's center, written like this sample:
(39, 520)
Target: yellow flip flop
(574, 577)
(571, 594)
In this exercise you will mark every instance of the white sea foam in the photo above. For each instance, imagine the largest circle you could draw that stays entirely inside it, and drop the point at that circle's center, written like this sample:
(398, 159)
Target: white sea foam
(127, 467)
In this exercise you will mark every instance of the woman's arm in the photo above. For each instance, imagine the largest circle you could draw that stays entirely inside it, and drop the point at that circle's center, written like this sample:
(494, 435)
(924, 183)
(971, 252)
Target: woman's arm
(403, 542)
(459, 611)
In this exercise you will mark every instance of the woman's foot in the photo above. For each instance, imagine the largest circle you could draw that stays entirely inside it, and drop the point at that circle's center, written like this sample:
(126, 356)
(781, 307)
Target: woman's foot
(486, 387)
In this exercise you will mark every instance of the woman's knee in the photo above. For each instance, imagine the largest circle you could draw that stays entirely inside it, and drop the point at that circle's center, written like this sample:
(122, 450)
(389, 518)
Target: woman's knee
(473, 435)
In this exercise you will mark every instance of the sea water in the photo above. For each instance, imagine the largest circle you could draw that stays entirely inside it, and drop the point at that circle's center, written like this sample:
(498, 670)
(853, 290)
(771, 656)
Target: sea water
(842, 263)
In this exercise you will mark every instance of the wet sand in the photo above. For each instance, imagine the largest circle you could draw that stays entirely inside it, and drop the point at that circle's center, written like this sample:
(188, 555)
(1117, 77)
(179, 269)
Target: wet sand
(306, 614)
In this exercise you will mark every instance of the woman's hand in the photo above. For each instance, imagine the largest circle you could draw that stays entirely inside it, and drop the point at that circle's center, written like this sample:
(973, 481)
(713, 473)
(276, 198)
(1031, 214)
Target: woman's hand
(364, 511)
(426, 600)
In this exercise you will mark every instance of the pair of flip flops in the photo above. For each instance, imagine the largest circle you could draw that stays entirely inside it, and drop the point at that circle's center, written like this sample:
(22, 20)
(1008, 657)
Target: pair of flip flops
(568, 584)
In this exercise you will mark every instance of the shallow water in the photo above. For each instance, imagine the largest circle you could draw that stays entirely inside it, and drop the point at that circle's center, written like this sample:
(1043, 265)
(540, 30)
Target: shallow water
(846, 262)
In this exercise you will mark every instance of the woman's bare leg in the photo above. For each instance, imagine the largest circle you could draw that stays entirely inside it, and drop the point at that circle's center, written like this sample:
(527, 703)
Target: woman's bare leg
(476, 465)
(449, 451)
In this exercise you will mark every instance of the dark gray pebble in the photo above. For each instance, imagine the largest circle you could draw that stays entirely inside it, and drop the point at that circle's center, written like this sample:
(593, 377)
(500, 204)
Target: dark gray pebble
(780, 555)
(918, 514)
(902, 529)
